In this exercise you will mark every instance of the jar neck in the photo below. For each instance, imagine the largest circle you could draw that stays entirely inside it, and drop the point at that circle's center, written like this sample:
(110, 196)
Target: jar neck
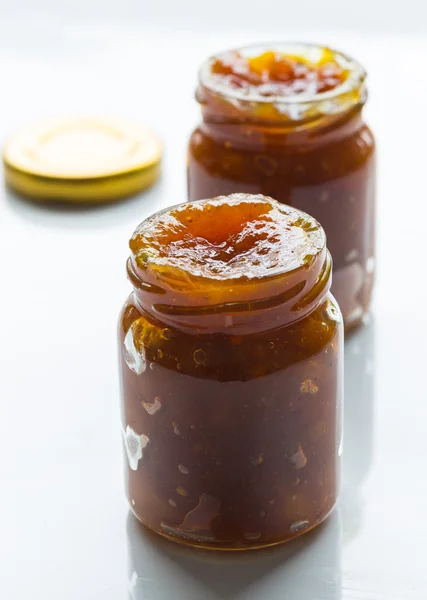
(239, 308)
(246, 134)
(243, 128)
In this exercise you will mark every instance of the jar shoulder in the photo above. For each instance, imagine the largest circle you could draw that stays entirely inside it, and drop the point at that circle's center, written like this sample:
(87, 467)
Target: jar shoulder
(231, 356)
(211, 140)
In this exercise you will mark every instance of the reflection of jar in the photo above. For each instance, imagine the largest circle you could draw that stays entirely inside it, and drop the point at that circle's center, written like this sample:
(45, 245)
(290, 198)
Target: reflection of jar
(359, 362)
(313, 152)
(304, 569)
(231, 374)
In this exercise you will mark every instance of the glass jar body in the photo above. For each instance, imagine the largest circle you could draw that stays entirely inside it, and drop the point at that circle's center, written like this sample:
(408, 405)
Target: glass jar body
(233, 441)
(326, 169)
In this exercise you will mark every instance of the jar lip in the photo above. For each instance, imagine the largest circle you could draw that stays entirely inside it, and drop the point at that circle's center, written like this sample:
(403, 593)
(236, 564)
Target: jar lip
(284, 288)
(316, 241)
(355, 82)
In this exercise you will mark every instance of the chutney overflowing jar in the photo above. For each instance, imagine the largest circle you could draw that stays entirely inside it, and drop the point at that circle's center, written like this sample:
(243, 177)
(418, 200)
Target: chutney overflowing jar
(231, 374)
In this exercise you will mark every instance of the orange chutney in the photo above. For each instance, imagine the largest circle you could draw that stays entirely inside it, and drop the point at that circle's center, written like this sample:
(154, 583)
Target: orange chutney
(231, 364)
(286, 121)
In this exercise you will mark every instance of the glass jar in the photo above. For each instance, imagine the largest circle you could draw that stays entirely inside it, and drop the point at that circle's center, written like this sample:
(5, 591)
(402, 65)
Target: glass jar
(311, 151)
(231, 361)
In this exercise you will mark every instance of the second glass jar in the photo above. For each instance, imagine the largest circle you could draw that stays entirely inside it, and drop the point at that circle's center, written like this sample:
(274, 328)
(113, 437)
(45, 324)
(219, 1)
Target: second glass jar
(314, 152)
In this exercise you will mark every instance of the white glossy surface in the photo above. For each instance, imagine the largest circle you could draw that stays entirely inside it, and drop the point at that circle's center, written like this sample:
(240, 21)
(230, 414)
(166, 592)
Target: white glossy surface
(64, 525)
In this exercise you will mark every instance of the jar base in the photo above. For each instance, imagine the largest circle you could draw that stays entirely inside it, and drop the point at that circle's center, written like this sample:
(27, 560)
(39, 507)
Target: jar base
(205, 545)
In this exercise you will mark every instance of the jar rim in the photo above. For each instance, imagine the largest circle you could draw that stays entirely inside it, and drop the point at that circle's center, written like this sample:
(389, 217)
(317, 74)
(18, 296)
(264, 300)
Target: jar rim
(315, 240)
(350, 92)
(181, 296)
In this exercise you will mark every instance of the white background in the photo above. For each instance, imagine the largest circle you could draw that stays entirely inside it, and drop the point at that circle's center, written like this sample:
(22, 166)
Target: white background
(283, 17)
(63, 530)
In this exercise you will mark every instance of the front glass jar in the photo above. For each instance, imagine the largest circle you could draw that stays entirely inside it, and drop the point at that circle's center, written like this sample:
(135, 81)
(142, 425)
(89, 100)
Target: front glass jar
(231, 360)
(286, 121)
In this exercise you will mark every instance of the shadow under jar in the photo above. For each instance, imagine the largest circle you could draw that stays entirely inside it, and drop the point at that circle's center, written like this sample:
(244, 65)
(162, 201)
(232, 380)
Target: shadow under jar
(231, 361)
(286, 121)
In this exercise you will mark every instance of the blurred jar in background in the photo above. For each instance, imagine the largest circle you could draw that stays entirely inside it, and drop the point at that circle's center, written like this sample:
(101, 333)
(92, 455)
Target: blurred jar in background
(286, 121)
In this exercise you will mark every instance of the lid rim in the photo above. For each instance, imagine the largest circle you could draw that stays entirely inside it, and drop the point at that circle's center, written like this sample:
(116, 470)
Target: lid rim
(81, 192)
(69, 178)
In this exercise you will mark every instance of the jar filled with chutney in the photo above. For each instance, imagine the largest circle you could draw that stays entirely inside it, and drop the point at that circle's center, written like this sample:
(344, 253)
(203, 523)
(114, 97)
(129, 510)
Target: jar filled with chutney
(231, 374)
(285, 120)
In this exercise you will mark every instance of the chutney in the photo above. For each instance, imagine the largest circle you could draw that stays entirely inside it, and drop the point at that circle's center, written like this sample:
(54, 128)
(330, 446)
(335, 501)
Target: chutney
(231, 374)
(286, 121)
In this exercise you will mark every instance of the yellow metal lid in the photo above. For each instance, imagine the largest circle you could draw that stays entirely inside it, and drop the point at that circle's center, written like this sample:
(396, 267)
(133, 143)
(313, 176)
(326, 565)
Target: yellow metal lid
(82, 160)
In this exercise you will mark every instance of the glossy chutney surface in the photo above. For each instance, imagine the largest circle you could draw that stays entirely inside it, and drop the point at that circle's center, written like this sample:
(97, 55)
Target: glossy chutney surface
(274, 73)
